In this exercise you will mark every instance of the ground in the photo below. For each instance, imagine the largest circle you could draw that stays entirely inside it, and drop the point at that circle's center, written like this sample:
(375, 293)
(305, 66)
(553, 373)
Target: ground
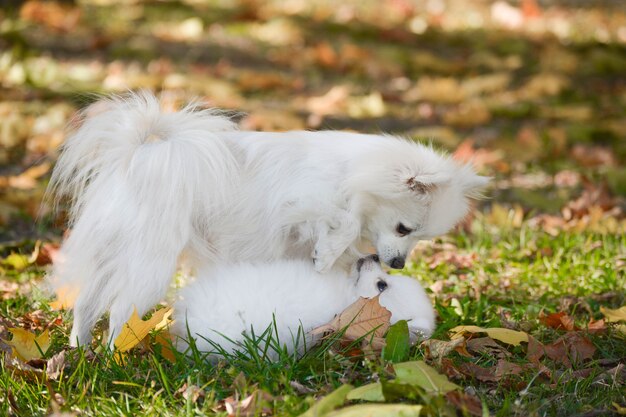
(534, 93)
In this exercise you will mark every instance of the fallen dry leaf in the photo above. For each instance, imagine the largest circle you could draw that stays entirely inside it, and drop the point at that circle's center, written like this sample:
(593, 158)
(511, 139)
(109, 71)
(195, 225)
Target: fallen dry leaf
(465, 403)
(55, 365)
(27, 346)
(486, 345)
(190, 392)
(535, 350)
(164, 339)
(365, 317)
(570, 349)
(66, 297)
(438, 349)
(616, 315)
(256, 404)
(596, 326)
(19, 368)
(135, 329)
(559, 321)
(511, 337)
(502, 370)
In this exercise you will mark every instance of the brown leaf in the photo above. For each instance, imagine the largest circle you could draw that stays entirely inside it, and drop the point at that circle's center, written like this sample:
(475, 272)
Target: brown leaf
(486, 345)
(596, 326)
(482, 374)
(535, 351)
(502, 370)
(465, 403)
(449, 369)
(55, 365)
(438, 349)
(190, 392)
(570, 349)
(21, 369)
(559, 321)
(365, 317)
(255, 404)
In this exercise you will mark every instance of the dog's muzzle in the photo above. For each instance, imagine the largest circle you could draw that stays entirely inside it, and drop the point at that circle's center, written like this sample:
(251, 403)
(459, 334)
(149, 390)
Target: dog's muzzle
(397, 263)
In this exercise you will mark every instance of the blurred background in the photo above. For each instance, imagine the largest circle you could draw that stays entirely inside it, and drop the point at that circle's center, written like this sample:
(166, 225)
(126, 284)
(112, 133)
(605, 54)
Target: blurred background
(534, 92)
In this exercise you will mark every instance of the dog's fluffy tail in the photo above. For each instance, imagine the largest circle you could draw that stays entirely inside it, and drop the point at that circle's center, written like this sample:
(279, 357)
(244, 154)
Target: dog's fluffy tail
(143, 185)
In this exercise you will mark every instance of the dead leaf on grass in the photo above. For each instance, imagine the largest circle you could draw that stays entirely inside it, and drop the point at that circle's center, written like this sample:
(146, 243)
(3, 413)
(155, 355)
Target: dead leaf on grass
(364, 318)
(19, 368)
(190, 392)
(136, 329)
(503, 369)
(438, 349)
(570, 349)
(511, 337)
(488, 346)
(613, 316)
(55, 365)
(465, 403)
(559, 321)
(28, 346)
(66, 297)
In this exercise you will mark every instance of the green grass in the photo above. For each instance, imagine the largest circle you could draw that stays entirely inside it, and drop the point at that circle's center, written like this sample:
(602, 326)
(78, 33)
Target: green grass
(516, 273)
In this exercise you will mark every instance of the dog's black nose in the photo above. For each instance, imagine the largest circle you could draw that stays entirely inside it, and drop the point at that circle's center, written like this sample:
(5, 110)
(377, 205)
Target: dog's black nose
(397, 263)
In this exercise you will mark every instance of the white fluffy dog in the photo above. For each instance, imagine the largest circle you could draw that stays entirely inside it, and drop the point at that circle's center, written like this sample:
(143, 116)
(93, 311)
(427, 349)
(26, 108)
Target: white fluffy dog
(226, 304)
(148, 186)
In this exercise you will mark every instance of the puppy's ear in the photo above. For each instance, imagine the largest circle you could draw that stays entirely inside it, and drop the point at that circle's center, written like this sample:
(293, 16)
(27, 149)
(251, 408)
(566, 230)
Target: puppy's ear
(473, 185)
(425, 183)
(420, 187)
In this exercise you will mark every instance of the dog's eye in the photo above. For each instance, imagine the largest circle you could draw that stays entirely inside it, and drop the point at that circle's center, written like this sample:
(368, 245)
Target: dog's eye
(381, 285)
(403, 230)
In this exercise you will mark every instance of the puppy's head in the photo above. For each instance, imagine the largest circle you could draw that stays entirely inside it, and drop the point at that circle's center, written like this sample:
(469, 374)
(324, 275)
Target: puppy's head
(404, 297)
(413, 193)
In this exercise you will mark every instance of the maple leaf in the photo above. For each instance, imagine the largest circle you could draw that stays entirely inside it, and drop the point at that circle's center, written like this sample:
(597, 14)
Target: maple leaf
(365, 317)
(136, 329)
(27, 346)
(66, 296)
(511, 337)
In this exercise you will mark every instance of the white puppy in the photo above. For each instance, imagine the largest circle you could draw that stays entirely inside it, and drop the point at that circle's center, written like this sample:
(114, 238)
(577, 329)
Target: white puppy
(148, 186)
(226, 304)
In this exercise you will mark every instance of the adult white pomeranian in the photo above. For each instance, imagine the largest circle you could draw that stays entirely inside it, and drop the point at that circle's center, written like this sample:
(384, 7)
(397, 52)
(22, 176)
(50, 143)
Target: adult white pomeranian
(287, 299)
(148, 186)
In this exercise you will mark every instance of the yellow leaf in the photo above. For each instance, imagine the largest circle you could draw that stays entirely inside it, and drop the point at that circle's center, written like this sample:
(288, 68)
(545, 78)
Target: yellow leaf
(135, 329)
(614, 315)
(511, 337)
(164, 339)
(27, 346)
(66, 296)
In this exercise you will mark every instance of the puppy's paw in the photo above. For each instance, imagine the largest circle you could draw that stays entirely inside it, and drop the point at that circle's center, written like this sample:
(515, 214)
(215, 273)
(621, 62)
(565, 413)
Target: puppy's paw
(323, 262)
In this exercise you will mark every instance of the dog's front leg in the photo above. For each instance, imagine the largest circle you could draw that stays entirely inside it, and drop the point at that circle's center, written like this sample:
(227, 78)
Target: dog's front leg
(334, 237)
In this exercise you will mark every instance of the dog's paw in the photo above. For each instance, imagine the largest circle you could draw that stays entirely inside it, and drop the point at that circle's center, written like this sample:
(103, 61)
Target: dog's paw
(323, 262)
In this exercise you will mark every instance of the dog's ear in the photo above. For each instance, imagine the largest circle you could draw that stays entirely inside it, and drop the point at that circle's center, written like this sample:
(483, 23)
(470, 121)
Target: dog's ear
(425, 183)
(420, 187)
(473, 185)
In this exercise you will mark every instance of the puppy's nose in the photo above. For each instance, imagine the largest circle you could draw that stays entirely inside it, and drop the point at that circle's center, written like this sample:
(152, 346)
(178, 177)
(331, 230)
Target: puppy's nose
(397, 263)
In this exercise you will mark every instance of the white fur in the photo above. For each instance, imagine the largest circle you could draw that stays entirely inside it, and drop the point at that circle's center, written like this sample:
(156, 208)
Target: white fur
(226, 302)
(148, 186)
